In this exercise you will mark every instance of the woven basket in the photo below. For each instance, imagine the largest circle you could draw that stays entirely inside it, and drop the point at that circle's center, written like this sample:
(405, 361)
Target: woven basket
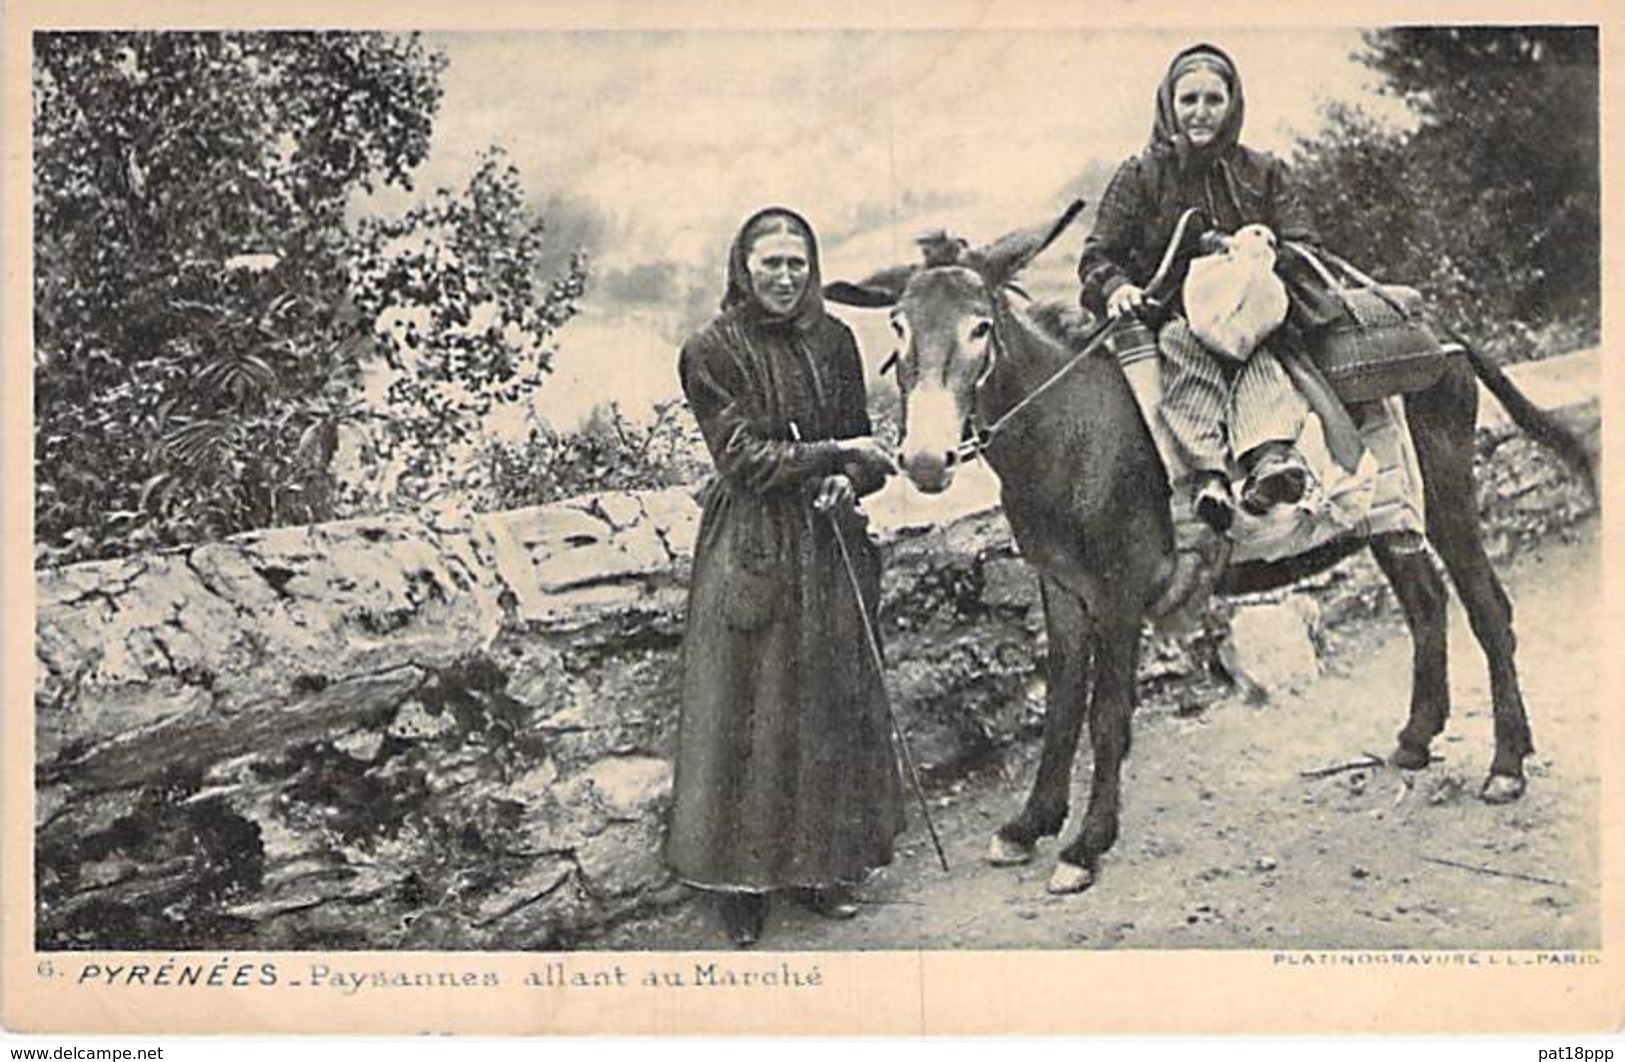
(1382, 345)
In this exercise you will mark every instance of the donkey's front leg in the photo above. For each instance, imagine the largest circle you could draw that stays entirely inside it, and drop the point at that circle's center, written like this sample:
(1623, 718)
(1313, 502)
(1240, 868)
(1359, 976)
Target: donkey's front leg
(1111, 709)
(1067, 669)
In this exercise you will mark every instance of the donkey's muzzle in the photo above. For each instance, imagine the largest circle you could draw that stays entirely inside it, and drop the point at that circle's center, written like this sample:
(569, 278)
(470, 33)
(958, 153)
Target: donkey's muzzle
(929, 470)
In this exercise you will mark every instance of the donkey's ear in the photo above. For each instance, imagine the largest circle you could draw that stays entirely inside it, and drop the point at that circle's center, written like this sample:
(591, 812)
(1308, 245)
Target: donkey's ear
(1009, 255)
(861, 295)
(882, 289)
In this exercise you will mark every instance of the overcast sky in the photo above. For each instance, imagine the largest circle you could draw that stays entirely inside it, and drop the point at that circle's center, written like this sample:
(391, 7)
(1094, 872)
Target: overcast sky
(678, 135)
(675, 137)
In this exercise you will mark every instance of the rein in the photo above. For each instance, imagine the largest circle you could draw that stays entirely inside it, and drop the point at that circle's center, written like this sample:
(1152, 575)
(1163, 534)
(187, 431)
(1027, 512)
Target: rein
(982, 437)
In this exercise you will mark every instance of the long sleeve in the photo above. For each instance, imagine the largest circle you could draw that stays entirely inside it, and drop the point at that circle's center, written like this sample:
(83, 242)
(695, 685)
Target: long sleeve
(852, 406)
(1108, 252)
(742, 453)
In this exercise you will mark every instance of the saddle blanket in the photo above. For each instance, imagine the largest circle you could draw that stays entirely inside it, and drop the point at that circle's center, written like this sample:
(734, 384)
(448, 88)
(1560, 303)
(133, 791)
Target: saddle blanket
(1382, 494)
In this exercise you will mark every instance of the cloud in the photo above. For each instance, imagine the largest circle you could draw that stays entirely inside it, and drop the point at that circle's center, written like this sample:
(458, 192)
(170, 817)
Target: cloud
(676, 131)
(659, 143)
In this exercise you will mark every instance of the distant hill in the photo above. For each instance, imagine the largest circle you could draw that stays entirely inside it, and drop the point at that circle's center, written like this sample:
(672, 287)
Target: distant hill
(623, 346)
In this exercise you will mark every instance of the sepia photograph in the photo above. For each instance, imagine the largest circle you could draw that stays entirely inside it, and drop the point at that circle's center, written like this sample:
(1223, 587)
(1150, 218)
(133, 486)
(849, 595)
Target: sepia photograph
(716, 502)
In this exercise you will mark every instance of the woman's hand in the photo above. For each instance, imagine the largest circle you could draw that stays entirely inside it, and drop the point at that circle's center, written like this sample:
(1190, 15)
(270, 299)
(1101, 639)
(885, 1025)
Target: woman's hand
(866, 454)
(835, 492)
(1126, 299)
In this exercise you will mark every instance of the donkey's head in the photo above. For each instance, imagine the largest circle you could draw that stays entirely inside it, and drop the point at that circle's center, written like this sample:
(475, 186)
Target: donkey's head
(945, 313)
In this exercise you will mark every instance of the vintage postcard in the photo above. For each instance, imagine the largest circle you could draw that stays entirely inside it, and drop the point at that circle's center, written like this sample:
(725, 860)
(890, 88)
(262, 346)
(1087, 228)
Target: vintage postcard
(638, 518)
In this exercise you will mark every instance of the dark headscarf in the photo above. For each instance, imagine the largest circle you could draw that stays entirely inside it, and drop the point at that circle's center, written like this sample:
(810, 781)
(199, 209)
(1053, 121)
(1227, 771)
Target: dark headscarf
(1165, 133)
(741, 298)
(1208, 164)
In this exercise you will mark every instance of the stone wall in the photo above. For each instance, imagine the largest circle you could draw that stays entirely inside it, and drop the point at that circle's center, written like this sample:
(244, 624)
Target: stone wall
(454, 733)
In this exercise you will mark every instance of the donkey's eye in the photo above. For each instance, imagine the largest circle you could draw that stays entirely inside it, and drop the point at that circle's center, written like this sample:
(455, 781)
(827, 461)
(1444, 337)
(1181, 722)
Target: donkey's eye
(981, 330)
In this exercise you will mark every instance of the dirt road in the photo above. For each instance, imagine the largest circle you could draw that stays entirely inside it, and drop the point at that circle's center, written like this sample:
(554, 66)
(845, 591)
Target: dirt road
(1225, 844)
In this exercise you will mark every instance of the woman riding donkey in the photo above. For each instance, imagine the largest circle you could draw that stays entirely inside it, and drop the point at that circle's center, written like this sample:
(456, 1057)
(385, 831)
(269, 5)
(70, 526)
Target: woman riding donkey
(1213, 405)
(1081, 474)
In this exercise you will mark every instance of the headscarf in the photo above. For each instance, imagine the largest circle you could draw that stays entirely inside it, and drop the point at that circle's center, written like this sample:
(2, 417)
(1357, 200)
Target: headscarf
(741, 297)
(1165, 133)
(1211, 160)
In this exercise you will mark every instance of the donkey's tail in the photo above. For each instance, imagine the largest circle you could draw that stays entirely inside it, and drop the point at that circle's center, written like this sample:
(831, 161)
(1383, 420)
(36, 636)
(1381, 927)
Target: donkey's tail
(1537, 423)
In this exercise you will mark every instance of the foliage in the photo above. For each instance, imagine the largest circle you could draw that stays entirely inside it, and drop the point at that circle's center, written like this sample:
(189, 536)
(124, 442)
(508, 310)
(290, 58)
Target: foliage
(1491, 204)
(189, 269)
(463, 321)
(608, 453)
(208, 316)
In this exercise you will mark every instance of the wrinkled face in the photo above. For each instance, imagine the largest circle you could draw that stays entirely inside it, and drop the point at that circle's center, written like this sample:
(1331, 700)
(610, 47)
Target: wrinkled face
(779, 265)
(1201, 101)
(944, 327)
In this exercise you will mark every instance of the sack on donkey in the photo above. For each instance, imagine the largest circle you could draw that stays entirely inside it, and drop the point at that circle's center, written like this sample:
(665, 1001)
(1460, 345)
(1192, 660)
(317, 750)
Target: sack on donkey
(1380, 344)
(1233, 299)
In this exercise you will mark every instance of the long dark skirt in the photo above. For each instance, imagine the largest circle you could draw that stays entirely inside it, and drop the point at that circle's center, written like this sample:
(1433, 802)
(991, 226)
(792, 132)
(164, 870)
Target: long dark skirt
(785, 771)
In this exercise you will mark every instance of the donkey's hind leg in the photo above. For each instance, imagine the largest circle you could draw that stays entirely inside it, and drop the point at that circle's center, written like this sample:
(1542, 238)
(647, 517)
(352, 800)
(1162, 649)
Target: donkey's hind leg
(1067, 668)
(1442, 424)
(1421, 593)
(1489, 613)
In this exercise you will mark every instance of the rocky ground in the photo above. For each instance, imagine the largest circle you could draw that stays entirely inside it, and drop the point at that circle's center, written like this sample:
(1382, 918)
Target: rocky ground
(1227, 841)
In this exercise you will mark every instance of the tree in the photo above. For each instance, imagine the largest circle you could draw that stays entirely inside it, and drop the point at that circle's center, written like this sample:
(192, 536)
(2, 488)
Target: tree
(463, 323)
(190, 271)
(206, 313)
(1514, 113)
(1492, 201)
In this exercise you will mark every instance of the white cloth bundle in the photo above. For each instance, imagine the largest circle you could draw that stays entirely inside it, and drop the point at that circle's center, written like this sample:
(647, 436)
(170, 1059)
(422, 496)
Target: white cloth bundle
(1233, 299)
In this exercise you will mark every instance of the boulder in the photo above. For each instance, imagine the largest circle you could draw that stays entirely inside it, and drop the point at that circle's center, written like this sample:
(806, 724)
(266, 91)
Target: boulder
(1271, 646)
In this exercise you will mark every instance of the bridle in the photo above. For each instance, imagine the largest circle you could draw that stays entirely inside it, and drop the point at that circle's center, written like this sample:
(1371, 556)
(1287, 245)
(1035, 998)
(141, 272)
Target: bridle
(976, 435)
(979, 437)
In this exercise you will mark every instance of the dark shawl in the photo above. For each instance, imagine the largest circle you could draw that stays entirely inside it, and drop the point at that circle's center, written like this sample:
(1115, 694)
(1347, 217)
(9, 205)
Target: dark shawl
(785, 771)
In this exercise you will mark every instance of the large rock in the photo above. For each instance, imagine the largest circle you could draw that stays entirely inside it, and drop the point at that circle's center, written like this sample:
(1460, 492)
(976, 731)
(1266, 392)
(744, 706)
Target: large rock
(211, 735)
(1271, 648)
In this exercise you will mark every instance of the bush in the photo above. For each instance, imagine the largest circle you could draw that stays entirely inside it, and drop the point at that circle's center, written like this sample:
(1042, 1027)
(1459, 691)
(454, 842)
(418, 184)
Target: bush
(208, 318)
(608, 453)
(189, 199)
(1491, 204)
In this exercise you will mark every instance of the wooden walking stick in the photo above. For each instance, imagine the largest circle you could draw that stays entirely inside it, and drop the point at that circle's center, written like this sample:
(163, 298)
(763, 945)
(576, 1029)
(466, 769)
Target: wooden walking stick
(904, 753)
(880, 672)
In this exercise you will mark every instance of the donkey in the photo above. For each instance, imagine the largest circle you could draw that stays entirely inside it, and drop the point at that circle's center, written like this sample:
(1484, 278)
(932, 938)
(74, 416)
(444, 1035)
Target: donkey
(1087, 498)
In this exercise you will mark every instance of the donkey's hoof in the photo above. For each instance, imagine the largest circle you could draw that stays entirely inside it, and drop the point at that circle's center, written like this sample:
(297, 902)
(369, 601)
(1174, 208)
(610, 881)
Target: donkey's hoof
(1502, 789)
(1003, 852)
(1407, 758)
(1069, 878)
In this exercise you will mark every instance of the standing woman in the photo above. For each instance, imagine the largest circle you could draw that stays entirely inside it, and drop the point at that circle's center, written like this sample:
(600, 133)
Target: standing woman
(785, 772)
(1213, 408)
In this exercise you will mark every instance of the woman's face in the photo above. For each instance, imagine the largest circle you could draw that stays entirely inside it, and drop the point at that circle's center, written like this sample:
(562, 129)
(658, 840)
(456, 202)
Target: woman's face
(1201, 100)
(778, 265)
